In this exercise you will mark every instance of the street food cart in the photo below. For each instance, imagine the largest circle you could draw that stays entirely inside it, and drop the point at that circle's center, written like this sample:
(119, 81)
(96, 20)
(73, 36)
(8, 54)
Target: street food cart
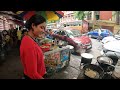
(56, 58)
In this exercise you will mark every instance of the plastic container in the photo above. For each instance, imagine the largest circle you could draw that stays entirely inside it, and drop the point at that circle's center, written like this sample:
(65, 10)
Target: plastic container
(86, 58)
(45, 47)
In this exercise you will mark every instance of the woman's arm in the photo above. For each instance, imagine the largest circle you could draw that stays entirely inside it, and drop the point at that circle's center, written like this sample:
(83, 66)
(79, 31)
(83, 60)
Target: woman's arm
(65, 38)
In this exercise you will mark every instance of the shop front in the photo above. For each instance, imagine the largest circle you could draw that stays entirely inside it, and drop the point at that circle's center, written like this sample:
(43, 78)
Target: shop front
(105, 24)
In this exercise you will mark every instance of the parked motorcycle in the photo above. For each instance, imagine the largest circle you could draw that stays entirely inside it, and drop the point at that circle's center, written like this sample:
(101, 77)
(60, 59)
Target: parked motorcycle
(112, 50)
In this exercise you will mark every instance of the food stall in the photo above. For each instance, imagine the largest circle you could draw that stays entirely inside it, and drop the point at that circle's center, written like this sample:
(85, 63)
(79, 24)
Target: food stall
(57, 57)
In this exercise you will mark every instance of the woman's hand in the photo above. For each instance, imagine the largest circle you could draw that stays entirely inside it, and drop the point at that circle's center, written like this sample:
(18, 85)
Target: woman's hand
(41, 78)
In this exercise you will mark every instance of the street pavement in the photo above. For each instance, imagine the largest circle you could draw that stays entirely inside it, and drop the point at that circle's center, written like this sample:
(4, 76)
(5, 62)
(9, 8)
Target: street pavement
(11, 68)
(73, 70)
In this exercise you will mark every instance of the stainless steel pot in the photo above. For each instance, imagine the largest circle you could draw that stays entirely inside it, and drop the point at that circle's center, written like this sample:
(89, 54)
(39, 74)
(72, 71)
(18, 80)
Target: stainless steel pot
(106, 63)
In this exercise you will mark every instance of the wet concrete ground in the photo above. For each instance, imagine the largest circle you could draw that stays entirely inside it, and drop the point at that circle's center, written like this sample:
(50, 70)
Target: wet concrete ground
(11, 68)
(73, 70)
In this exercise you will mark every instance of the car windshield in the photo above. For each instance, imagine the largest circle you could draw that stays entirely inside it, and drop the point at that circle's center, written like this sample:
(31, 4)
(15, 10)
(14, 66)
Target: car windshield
(102, 30)
(73, 33)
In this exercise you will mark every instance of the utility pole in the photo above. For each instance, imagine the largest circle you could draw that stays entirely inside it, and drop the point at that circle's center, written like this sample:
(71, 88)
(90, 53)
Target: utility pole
(93, 18)
(117, 17)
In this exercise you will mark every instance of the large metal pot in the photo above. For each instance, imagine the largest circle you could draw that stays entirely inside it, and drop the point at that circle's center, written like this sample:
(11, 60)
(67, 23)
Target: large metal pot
(99, 72)
(106, 63)
(86, 58)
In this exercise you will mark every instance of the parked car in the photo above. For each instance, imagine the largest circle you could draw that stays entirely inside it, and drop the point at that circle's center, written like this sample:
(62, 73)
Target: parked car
(82, 40)
(104, 33)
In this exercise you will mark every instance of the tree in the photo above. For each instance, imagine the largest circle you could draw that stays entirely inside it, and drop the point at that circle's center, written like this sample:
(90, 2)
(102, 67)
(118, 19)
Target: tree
(80, 15)
(88, 14)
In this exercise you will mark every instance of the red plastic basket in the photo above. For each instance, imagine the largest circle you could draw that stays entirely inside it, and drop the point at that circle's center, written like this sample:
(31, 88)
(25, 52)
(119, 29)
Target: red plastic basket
(45, 47)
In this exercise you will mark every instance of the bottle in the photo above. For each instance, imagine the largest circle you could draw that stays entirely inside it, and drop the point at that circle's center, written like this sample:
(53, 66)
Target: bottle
(53, 43)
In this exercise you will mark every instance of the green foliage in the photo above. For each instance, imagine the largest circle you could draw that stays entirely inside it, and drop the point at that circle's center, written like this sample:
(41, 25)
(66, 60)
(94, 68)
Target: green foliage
(79, 15)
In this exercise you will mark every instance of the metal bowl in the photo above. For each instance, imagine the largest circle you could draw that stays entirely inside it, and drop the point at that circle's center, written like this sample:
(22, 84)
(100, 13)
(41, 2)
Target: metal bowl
(105, 62)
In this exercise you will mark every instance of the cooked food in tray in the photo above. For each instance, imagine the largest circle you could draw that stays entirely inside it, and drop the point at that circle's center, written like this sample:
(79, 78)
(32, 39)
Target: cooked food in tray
(91, 73)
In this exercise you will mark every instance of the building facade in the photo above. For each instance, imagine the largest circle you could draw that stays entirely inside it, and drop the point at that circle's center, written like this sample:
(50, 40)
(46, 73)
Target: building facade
(8, 22)
(68, 17)
(102, 19)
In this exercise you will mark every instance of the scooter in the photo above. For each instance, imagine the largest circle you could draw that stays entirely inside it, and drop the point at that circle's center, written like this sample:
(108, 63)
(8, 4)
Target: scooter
(112, 50)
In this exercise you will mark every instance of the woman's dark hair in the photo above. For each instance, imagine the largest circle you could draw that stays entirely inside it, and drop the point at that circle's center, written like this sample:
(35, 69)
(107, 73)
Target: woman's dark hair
(36, 20)
(24, 30)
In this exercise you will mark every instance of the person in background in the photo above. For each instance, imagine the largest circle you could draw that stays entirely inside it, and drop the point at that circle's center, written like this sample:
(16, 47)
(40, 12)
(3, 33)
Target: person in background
(24, 32)
(0, 38)
(7, 45)
(6, 40)
(31, 55)
(19, 36)
(1, 41)
(13, 35)
(99, 35)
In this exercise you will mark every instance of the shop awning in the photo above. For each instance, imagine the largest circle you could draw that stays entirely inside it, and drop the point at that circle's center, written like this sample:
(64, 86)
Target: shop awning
(19, 22)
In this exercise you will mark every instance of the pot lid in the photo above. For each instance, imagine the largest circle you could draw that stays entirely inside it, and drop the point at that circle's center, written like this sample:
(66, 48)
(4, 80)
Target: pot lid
(87, 55)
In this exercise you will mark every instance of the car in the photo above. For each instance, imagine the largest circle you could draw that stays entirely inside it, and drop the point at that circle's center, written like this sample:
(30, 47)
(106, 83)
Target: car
(83, 41)
(104, 33)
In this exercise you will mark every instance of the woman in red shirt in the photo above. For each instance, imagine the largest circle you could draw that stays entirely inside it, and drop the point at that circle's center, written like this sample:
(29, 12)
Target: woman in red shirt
(31, 55)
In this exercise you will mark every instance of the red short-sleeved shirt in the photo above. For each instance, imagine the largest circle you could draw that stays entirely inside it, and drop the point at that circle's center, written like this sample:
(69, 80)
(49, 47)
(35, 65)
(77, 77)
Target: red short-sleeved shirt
(32, 58)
